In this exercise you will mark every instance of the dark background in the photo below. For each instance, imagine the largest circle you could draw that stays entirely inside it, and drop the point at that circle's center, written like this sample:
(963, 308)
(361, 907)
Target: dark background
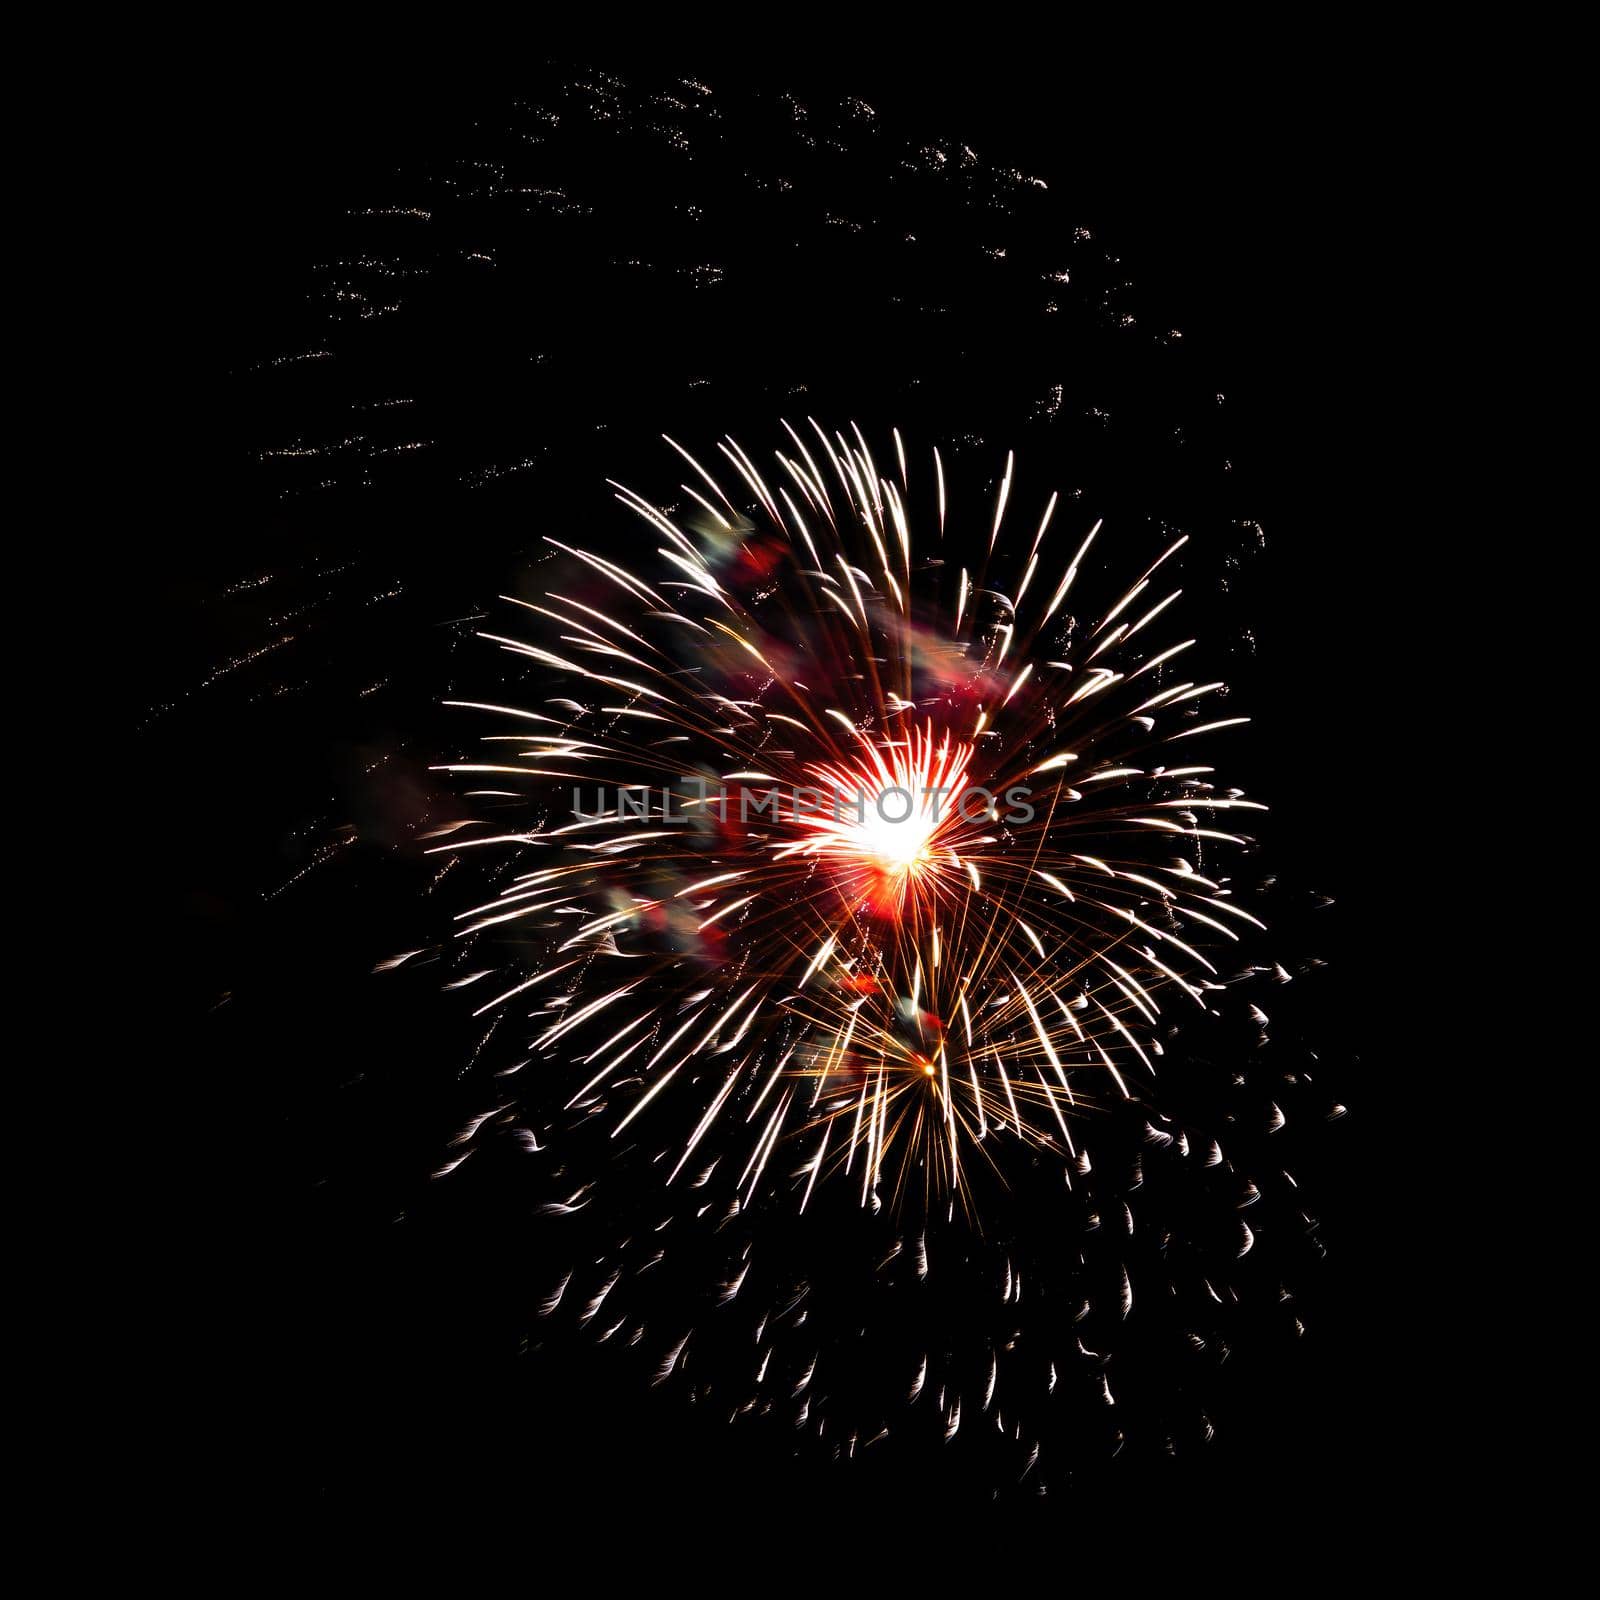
(352, 1372)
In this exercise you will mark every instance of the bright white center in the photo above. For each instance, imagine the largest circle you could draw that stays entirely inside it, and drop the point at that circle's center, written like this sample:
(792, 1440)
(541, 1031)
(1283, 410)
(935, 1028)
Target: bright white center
(898, 844)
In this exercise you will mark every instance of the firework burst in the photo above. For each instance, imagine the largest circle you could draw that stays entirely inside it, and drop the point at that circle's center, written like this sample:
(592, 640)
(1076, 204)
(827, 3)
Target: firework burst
(888, 858)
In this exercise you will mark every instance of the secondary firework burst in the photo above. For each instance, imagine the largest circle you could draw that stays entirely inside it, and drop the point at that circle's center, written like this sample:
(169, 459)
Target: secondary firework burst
(891, 858)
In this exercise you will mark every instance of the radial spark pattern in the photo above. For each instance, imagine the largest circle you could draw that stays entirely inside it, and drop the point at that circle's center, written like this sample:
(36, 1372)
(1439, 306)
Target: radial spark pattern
(846, 849)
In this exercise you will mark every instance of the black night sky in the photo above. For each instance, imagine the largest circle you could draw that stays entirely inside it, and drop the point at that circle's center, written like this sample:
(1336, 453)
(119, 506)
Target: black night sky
(392, 412)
